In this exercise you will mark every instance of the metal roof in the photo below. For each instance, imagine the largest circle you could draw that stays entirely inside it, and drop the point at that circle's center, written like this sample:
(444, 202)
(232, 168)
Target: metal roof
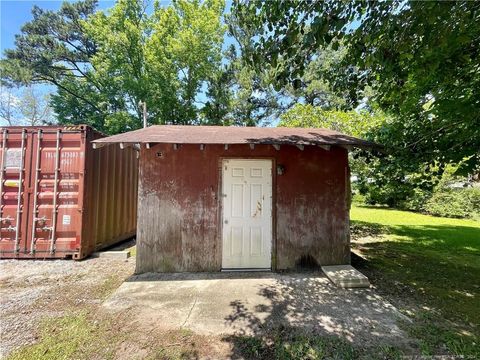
(188, 134)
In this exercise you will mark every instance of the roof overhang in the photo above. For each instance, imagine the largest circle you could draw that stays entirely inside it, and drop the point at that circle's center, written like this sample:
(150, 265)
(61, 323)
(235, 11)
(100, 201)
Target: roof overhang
(229, 135)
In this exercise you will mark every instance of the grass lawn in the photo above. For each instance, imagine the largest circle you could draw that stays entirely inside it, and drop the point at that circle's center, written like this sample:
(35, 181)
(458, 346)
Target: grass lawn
(429, 267)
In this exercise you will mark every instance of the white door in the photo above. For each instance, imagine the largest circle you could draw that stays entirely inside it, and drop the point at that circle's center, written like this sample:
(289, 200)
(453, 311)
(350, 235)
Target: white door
(247, 214)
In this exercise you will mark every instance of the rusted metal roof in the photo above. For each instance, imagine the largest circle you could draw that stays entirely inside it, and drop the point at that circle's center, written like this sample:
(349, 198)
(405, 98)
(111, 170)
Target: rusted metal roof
(183, 134)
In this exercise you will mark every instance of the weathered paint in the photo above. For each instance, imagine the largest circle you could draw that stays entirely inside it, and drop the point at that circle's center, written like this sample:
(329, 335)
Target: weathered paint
(179, 213)
(94, 204)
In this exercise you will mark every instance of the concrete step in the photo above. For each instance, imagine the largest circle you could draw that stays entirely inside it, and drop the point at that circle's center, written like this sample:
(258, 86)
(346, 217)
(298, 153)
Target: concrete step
(346, 276)
(112, 254)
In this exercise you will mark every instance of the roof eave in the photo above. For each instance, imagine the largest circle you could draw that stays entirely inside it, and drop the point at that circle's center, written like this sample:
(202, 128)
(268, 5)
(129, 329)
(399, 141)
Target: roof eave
(97, 144)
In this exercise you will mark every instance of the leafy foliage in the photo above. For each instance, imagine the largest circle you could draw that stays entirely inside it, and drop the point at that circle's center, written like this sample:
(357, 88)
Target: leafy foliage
(253, 98)
(453, 196)
(355, 123)
(104, 63)
(418, 61)
(461, 203)
(53, 48)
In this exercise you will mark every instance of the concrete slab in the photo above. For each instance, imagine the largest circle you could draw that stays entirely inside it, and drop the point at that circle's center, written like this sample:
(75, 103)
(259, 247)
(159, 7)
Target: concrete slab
(120, 255)
(346, 276)
(255, 303)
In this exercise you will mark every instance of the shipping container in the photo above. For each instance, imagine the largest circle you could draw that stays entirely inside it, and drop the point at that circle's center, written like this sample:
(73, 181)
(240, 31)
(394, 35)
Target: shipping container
(60, 198)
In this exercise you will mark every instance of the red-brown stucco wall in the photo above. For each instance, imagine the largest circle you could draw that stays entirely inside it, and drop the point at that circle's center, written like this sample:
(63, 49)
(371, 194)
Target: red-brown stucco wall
(179, 207)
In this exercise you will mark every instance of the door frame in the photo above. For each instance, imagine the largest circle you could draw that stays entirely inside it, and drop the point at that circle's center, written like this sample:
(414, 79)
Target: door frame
(273, 257)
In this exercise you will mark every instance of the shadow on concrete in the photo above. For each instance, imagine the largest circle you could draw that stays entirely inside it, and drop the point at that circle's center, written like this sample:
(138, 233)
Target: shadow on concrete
(307, 310)
(257, 312)
(430, 269)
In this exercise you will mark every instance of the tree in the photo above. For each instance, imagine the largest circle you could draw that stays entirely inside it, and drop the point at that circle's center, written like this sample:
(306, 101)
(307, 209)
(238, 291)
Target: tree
(52, 48)
(34, 108)
(104, 63)
(253, 101)
(218, 107)
(8, 106)
(184, 50)
(31, 107)
(315, 86)
(355, 123)
(73, 109)
(162, 59)
(420, 59)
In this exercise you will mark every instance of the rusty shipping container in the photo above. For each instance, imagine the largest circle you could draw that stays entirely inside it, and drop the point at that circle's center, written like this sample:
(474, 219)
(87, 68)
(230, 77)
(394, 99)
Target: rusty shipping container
(59, 198)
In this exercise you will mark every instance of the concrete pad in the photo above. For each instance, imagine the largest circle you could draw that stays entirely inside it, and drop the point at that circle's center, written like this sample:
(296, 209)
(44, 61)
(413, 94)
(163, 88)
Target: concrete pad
(255, 303)
(120, 255)
(346, 276)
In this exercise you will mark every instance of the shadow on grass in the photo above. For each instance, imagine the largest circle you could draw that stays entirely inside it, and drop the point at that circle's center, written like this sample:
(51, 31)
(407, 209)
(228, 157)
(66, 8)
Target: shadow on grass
(375, 207)
(427, 268)
(435, 237)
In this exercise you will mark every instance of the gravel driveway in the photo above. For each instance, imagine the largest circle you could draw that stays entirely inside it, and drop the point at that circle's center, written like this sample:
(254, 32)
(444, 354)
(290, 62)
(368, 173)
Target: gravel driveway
(31, 290)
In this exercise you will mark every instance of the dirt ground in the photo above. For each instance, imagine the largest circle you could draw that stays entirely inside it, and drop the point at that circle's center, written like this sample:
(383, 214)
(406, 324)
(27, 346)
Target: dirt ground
(32, 291)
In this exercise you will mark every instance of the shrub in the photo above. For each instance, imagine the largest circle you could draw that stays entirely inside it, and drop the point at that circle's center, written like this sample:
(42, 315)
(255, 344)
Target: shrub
(417, 200)
(358, 198)
(454, 202)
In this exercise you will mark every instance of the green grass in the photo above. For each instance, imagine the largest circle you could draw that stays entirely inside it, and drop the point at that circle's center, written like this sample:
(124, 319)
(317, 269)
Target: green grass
(72, 336)
(291, 344)
(109, 285)
(133, 251)
(430, 268)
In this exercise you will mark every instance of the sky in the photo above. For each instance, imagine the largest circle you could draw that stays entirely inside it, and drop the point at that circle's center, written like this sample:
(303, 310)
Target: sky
(14, 13)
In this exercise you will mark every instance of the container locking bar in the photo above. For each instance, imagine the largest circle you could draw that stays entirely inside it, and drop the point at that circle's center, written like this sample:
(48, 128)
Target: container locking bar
(35, 192)
(55, 194)
(20, 193)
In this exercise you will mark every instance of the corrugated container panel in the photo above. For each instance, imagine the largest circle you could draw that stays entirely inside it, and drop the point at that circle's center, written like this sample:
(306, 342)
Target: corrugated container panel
(59, 197)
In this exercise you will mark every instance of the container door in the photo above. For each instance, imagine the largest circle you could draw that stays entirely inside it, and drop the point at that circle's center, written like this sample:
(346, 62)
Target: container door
(247, 214)
(12, 191)
(56, 206)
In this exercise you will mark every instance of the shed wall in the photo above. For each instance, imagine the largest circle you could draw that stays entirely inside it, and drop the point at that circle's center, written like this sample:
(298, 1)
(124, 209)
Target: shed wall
(179, 206)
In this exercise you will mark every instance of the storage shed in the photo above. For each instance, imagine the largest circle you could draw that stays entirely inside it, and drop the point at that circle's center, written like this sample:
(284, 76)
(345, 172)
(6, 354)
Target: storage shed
(214, 198)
